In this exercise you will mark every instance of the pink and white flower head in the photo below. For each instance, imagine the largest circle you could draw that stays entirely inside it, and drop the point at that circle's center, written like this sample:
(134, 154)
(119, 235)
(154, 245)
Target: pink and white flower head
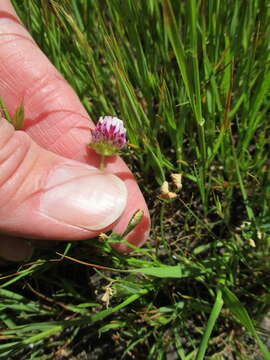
(109, 136)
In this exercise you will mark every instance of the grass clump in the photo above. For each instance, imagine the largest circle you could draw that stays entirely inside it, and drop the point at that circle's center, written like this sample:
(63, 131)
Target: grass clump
(191, 81)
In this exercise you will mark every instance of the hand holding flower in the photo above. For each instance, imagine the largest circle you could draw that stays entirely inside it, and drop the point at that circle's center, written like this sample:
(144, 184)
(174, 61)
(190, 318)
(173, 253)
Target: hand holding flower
(50, 186)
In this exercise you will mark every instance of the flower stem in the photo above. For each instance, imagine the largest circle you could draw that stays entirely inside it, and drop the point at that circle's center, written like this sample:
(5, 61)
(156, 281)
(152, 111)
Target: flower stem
(101, 166)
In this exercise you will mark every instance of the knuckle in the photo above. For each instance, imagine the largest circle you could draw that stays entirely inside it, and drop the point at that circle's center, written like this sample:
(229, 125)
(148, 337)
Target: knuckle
(13, 156)
(6, 132)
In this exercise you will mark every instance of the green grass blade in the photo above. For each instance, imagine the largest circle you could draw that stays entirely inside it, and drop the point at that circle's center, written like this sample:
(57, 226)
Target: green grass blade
(177, 44)
(235, 306)
(210, 325)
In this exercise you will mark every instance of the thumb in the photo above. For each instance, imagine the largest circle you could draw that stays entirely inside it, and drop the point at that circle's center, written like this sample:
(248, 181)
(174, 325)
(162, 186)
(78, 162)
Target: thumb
(44, 195)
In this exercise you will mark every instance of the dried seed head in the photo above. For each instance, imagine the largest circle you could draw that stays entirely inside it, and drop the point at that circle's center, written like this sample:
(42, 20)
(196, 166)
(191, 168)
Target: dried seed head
(177, 180)
(164, 189)
(107, 294)
(165, 193)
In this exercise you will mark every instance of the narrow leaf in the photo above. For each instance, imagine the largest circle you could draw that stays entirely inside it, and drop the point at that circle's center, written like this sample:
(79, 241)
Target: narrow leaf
(242, 315)
(177, 271)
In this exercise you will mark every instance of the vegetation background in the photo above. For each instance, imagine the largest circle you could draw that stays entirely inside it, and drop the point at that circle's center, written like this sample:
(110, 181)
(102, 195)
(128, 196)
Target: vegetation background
(191, 80)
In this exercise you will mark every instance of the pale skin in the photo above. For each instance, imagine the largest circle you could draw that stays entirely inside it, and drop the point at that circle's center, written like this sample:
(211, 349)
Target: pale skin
(50, 184)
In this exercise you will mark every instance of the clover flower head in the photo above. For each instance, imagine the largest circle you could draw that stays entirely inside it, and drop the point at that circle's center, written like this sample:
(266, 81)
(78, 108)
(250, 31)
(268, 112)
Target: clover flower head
(109, 136)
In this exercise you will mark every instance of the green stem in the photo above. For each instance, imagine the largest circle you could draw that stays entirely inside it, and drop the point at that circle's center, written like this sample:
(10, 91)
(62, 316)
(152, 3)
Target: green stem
(102, 158)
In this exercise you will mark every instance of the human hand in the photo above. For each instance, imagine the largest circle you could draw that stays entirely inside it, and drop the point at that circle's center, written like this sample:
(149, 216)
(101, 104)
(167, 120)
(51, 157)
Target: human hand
(50, 184)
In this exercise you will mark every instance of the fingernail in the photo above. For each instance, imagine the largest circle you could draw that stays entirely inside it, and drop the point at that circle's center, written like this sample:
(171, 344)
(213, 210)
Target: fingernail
(13, 249)
(83, 197)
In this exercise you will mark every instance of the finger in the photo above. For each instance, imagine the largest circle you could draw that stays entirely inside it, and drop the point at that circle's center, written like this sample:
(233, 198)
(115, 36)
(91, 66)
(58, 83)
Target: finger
(54, 115)
(43, 195)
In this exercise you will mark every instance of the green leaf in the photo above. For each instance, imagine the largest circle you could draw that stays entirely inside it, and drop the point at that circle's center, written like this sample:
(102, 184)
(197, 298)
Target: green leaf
(210, 325)
(233, 303)
(111, 326)
(5, 111)
(18, 118)
(177, 271)
(133, 222)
